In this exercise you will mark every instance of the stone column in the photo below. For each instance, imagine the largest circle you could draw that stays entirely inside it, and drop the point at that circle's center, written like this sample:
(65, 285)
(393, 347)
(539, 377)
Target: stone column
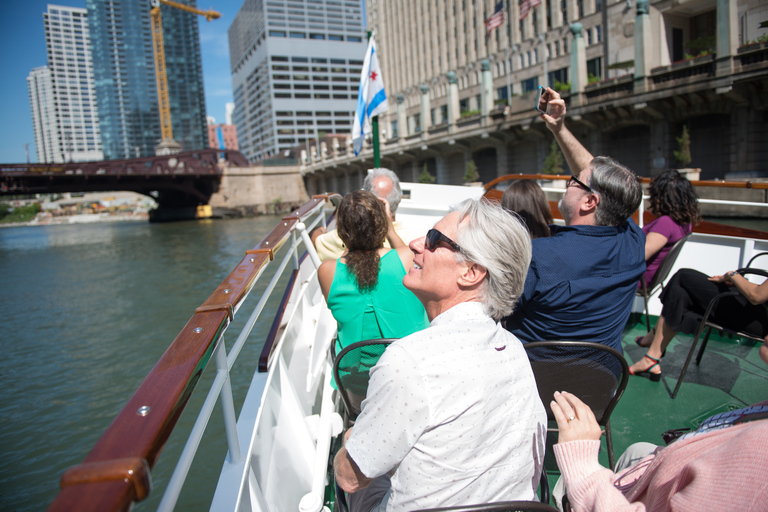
(426, 120)
(643, 42)
(578, 64)
(453, 101)
(486, 92)
(727, 33)
(402, 124)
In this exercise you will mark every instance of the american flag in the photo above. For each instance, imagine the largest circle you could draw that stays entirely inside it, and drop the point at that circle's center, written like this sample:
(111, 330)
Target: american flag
(526, 7)
(496, 19)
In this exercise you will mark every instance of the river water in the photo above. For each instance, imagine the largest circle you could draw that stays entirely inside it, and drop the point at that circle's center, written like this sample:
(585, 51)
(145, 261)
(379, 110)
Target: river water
(87, 310)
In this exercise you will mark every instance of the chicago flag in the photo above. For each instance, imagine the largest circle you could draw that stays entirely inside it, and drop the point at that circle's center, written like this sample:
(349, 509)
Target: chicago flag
(371, 98)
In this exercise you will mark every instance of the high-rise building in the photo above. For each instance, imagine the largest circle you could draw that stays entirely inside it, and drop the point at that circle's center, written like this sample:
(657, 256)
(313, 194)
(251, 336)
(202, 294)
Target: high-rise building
(124, 68)
(295, 71)
(43, 115)
(61, 95)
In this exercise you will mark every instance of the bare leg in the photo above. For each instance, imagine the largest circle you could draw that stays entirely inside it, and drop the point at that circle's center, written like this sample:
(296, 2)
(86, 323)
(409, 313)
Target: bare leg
(662, 335)
(764, 351)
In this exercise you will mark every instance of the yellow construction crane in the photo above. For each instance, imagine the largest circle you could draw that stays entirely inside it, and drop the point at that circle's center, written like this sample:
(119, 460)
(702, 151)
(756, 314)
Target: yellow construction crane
(159, 51)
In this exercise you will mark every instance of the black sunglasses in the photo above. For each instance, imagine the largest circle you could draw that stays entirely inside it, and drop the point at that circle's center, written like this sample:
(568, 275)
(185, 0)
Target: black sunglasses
(575, 180)
(434, 237)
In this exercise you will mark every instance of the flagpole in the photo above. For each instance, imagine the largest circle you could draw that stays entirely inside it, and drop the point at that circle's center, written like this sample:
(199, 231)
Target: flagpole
(375, 131)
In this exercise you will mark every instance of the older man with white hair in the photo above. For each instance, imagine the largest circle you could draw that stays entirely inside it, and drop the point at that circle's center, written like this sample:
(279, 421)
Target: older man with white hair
(384, 184)
(452, 415)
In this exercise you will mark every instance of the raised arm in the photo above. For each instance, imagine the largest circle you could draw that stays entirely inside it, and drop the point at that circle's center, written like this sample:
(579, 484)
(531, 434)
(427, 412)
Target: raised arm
(575, 153)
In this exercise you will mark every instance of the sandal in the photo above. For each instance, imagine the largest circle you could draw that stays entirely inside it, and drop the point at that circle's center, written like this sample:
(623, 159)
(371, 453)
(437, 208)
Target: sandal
(640, 338)
(655, 377)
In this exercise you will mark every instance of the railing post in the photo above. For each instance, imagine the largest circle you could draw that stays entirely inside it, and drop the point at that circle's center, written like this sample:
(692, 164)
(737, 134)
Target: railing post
(302, 229)
(228, 404)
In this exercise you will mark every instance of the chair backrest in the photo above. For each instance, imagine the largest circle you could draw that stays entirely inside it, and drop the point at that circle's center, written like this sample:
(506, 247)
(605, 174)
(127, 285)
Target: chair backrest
(351, 371)
(753, 258)
(594, 372)
(502, 506)
(667, 263)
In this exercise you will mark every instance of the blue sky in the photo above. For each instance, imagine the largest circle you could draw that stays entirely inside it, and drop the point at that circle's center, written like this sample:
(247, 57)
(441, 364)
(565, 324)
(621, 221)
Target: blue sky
(22, 47)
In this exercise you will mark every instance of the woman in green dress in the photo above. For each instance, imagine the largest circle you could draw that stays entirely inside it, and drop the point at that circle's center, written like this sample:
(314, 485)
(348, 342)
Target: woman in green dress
(364, 287)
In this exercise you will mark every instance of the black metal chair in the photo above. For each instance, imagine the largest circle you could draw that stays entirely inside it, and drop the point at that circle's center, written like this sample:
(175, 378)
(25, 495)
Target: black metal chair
(594, 372)
(657, 283)
(502, 506)
(707, 325)
(351, 370)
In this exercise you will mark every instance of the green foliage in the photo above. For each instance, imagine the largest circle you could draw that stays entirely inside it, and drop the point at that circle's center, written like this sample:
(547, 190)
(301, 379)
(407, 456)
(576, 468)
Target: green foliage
(553, 164)
(425, 176)
(701, 46)
(470, 172)
(591, 79)
(20, 214)
(562, 86)
(467, 113)
(5, 209)
(683, 153)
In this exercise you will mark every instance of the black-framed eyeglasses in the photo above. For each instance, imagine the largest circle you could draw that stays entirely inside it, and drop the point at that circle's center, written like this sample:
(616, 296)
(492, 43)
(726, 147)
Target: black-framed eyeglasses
(434, 237)
(575, 180)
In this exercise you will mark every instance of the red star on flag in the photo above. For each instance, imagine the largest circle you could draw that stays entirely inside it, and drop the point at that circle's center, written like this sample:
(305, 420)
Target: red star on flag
(373, 75)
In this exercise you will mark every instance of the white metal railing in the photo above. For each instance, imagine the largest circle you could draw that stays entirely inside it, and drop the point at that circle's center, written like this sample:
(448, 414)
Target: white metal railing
(220, 387)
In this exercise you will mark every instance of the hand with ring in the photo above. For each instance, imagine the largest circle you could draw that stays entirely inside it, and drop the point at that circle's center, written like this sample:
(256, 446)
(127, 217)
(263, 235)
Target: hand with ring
(575, 420)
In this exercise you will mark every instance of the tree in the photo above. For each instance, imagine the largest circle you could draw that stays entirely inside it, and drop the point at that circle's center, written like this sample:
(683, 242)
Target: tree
(683, 154)
(470, 172)
(553, 164)
(425, 176)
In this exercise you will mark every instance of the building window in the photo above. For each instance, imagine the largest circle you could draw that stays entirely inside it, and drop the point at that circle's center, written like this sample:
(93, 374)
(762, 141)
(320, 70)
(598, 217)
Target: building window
(444, 113)
(502, 95)
(416, 123)
(559, 76)
(463, 106)
(589, 36)
(298, 35)
(529, 85)
(599, 33)
(394, 129)
(316, 36)
(277, 33)
(595, 69)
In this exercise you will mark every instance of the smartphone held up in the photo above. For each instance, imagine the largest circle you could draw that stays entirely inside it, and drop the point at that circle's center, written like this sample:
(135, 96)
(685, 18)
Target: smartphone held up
(542, 100)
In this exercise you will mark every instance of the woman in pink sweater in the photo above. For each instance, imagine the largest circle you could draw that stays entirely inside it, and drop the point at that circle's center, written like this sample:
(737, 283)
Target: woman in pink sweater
(720, 469)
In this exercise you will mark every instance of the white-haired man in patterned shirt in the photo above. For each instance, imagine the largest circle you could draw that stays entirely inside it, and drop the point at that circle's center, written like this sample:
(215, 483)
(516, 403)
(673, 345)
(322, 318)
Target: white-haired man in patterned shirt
(452, 415)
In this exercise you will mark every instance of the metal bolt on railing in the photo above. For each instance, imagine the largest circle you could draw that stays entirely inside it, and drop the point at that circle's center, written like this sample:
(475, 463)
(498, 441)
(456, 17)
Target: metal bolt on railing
(143, 410)
(197, 330)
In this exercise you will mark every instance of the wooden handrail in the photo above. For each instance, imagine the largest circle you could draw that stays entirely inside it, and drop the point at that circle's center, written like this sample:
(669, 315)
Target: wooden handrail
(116, 471)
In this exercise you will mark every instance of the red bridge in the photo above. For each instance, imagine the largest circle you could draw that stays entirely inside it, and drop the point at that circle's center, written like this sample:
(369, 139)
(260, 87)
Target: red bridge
(178, 182)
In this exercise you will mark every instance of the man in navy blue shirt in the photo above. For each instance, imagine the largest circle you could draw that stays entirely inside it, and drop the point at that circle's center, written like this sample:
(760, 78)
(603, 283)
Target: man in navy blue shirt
(582, 280)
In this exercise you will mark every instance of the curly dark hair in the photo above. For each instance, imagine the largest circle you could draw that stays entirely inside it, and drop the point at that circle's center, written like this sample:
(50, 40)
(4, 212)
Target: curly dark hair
(361, 222)
(673, 195)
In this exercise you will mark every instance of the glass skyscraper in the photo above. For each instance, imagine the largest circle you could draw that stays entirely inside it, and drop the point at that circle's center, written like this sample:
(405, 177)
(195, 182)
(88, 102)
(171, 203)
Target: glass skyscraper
(124, 69)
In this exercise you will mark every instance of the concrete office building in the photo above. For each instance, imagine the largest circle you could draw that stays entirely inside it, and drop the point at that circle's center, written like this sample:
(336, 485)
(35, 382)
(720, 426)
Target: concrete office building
(124, 69)
(62, 97)
(295, 71)
(633, 74)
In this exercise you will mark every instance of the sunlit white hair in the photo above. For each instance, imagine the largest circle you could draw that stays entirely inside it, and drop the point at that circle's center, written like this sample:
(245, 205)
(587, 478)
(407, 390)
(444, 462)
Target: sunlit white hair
(498, 241)
(394, 196)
